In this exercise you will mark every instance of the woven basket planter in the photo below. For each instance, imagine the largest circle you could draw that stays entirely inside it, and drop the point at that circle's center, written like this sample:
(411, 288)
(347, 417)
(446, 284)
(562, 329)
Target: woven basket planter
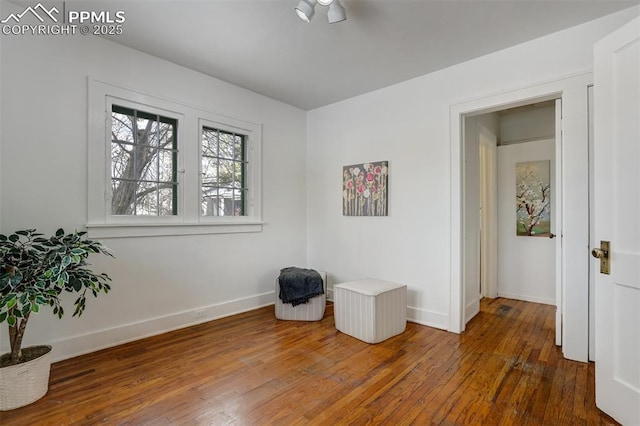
(25, 383)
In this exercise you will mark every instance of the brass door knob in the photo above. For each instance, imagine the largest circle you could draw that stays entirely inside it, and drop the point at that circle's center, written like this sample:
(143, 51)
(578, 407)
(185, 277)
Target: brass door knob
(599, 253)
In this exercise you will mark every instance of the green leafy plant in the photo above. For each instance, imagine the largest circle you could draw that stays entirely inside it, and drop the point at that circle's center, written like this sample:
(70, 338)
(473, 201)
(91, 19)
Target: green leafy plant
(35, 271)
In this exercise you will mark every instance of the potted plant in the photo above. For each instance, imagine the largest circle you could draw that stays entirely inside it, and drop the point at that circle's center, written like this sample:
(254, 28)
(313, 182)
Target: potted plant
(35, 271)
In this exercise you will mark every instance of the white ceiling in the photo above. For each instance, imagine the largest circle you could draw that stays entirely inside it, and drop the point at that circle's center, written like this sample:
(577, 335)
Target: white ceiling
(263, 46)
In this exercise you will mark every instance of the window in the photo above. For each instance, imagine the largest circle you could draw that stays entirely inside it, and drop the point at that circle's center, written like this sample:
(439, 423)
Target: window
(144, 152)
(222, 177)
(163, 167)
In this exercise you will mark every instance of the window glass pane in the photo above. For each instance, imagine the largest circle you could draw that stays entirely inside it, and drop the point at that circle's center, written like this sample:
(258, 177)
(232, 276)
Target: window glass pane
(121, 160)
(226, 145)
(147, 199)
(238, 148)
(210, 201)
(143, 163)
(166, 169)
(210, 142)
(153, 138)
(165, 199)
(143, 131)
(165, 135)
(239, 174)
(121, 127)
(209, 171)
(226, 172)
(122, 197)
(238, 196)
(150, 168)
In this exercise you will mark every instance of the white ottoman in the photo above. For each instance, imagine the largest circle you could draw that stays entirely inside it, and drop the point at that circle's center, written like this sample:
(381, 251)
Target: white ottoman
(312, 311)
(370, 310)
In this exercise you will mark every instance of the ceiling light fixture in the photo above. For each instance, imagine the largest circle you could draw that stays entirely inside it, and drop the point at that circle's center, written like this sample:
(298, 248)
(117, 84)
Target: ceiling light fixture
(336, 12)
(306, 9)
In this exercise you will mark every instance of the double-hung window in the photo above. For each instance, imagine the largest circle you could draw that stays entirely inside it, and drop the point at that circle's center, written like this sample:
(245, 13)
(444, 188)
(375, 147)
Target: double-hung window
(222, 176)
(164, 167)
(144, 163)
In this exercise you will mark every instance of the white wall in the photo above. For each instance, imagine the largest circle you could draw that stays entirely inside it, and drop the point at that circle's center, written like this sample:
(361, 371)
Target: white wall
(158, 282)
(527, 124)
(408, 124)
(526, 265)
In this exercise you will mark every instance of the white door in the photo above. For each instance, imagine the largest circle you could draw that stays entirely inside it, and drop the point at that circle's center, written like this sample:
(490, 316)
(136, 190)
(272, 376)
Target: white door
(556, 221)
(488, 213)
(617, 214)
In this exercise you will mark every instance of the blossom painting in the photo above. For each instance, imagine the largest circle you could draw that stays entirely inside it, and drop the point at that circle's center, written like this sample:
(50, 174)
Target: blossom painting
(533, 199)
(364, 189)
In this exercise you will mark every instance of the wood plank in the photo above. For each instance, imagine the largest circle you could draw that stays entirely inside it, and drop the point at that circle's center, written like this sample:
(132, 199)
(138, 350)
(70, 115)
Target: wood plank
(254, 369)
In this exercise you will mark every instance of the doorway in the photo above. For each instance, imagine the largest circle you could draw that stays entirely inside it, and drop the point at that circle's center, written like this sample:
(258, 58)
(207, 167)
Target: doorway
(508, 250)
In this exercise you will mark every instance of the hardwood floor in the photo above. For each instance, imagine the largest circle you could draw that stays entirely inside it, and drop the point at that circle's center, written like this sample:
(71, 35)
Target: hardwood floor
(251, 369)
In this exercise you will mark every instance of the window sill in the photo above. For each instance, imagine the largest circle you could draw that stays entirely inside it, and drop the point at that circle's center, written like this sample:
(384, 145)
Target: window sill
(101, 231)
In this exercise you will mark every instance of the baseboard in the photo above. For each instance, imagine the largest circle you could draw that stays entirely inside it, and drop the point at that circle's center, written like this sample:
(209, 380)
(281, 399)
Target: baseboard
(91, 342)
(428, 318)
(102, 339)
(471, 310)
(526, 298)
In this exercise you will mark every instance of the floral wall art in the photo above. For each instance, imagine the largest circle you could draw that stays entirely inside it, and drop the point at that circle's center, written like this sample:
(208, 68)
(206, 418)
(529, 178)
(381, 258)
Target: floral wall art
(533, 198)
(364, 189)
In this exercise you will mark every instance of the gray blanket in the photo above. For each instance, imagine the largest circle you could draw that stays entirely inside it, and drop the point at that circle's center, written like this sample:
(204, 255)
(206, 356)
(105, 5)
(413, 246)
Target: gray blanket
(298, 285)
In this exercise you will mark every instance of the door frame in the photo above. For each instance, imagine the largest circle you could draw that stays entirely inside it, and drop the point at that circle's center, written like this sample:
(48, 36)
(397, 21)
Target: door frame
(575, 296)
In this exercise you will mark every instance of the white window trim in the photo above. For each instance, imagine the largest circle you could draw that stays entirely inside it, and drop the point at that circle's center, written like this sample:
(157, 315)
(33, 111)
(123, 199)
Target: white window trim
(101, 224)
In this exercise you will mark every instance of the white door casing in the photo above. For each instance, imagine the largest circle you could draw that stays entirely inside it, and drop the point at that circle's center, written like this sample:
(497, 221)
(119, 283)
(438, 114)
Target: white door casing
(616, 214)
